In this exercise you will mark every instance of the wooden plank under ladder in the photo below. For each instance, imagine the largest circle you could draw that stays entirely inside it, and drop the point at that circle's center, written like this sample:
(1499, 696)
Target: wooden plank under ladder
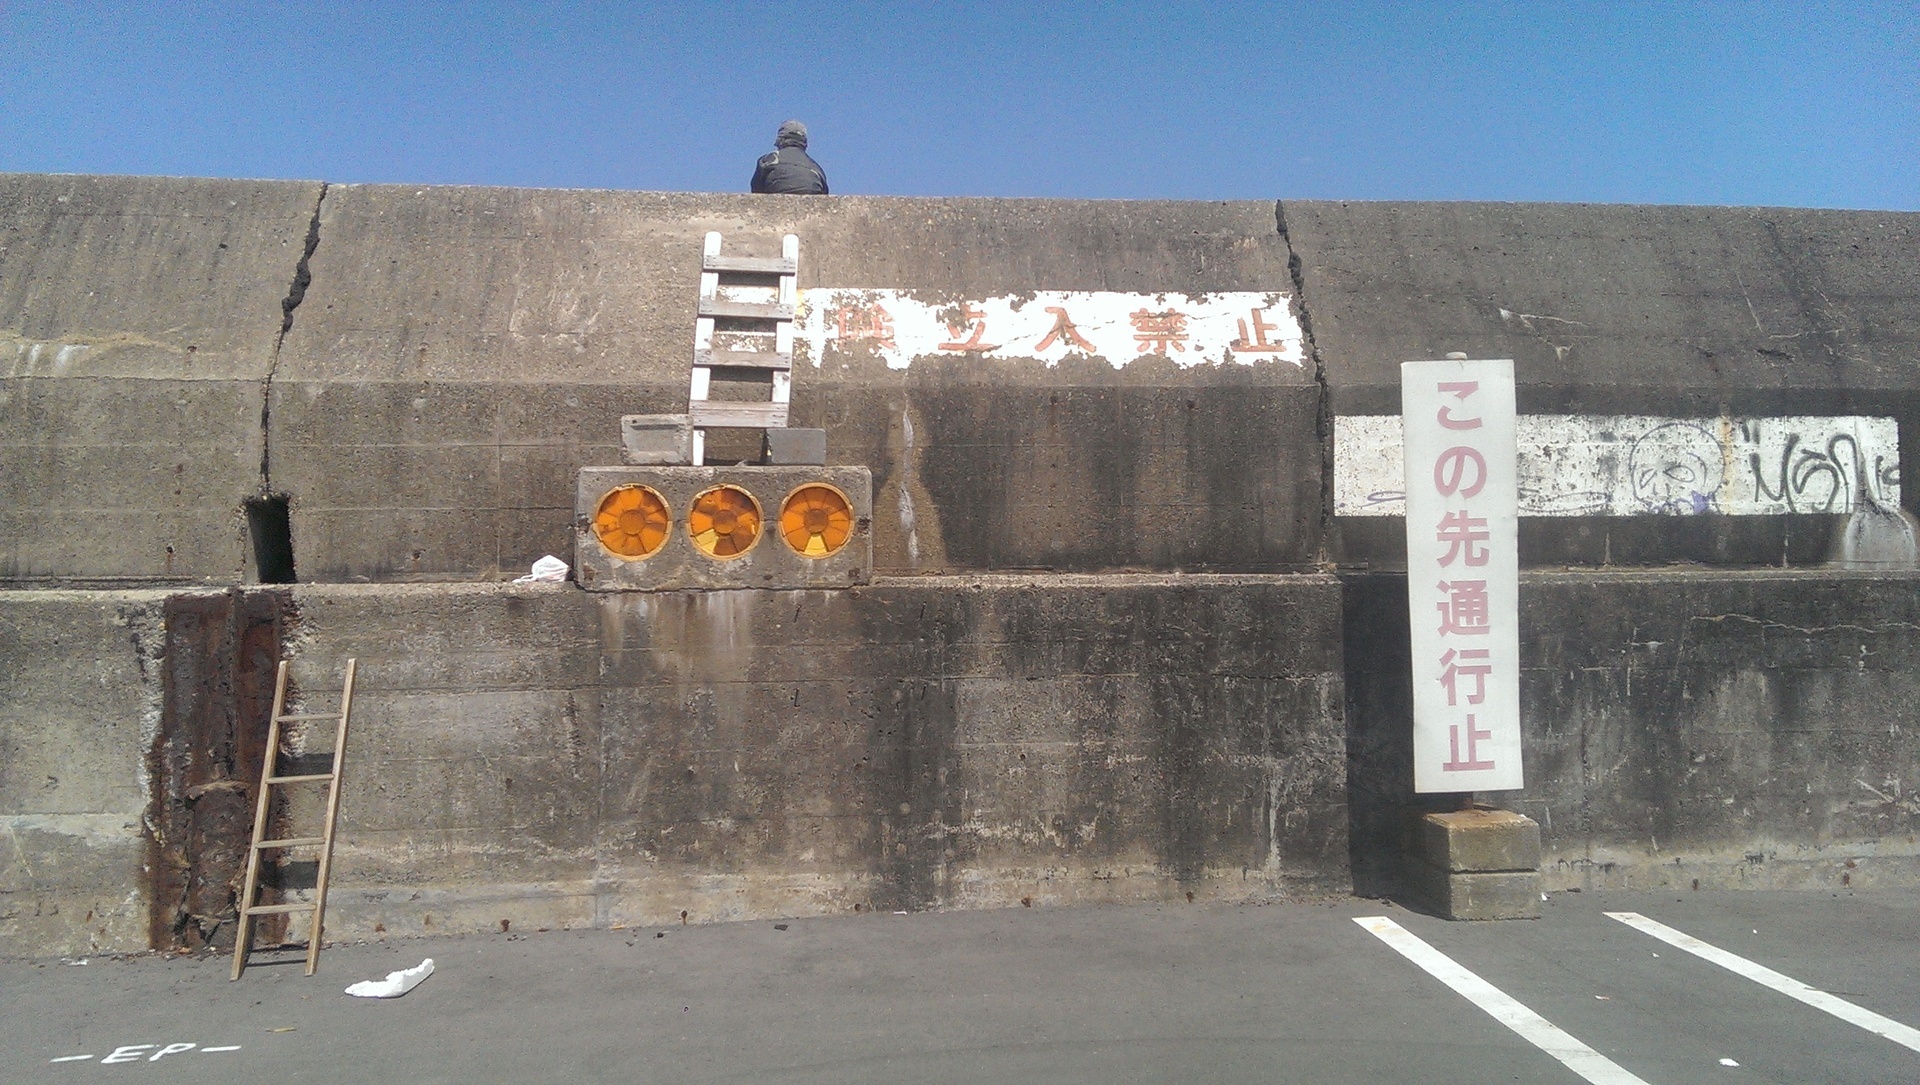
(768, 284)
(269, 779)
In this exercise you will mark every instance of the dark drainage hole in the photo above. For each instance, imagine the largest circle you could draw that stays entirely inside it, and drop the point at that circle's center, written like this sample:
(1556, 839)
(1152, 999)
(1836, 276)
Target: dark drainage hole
(272, 532)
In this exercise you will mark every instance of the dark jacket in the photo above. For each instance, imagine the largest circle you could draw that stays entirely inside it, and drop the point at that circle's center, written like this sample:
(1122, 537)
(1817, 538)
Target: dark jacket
(788, 171)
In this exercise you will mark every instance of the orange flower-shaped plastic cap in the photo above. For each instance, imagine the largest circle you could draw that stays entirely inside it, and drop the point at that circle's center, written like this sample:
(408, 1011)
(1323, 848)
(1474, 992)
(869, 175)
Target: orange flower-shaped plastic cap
(724, 522)
(632, 521)
(816, 520)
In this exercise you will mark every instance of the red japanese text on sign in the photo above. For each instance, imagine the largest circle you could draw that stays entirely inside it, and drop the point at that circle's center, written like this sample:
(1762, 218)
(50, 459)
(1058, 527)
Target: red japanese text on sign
(1465, 536)
(1465, 663)
(1472, 762)
(1460, 470)
(1463, 609)
(1462, 518)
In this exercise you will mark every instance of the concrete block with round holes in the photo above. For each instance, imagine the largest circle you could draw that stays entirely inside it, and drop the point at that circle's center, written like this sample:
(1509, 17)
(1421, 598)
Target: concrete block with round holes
(665, 528)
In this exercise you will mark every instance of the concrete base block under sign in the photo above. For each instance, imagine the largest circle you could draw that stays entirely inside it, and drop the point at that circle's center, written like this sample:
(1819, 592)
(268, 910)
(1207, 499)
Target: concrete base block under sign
(1478, 863)
(1507, 894)
(1479, 840)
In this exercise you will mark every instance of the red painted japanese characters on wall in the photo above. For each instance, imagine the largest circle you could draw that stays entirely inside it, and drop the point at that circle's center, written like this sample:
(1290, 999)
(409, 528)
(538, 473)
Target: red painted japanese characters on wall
(1053, 326)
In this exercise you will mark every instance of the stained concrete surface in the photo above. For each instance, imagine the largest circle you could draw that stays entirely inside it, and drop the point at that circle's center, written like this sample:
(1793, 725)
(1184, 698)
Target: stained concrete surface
(80, 703)
(1152, 993)
(463, 351)
(1741, 728)
(1674, 311)
(555, 757)
(139, 325)
(421, 370)
(563, 758)
(1614, 308)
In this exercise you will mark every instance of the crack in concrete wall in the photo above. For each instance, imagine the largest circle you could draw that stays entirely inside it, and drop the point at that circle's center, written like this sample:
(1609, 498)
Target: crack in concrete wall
(1296, 270)
(296, 293)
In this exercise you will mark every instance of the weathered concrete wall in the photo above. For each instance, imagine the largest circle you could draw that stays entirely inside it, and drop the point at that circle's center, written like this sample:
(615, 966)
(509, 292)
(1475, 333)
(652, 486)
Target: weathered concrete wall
(421, 371)
(454, 355)
(549, 757)
(1734, 729)
(1689, 312)
(1660, 748)
(79, 705)
(463, 351)
(139, 318)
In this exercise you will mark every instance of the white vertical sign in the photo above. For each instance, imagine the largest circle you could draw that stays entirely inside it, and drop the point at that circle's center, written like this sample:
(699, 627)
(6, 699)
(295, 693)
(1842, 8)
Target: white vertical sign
(1463, 574)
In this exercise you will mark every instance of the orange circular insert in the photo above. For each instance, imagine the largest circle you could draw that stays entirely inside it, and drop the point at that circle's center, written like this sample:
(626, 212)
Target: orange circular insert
(632, 521)
(816, 520)
(724, 522)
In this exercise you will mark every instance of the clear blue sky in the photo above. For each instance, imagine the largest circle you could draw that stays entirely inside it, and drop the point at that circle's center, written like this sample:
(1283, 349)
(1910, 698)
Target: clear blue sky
(1720, 103)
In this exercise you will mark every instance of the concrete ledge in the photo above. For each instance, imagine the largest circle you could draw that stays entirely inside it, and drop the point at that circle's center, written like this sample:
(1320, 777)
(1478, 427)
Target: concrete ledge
(1764, 865)
(659, 897)
(71, 884)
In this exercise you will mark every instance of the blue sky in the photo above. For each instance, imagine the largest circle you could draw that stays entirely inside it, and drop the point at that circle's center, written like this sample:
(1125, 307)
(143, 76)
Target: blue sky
(1723, 103)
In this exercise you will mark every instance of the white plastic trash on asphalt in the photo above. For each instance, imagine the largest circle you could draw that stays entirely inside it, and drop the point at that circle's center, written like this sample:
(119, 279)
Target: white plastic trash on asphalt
(396, 983)
(548, 568)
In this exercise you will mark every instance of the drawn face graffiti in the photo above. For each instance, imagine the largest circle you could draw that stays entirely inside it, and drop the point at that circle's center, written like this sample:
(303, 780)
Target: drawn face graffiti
(1676, 468)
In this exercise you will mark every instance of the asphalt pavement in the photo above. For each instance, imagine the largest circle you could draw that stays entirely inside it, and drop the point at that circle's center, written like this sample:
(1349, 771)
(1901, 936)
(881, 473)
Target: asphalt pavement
(1285, 992)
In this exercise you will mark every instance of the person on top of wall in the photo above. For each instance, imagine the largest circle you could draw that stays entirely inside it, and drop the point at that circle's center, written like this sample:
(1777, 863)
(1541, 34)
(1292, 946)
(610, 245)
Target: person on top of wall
(788, 171)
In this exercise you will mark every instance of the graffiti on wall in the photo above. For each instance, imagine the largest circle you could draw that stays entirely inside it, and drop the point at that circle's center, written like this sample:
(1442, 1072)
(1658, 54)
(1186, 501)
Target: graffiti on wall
(1242, 327)
(1639, 465)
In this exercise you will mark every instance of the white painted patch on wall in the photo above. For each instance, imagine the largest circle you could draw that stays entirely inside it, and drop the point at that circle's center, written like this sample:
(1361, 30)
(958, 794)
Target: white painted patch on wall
(1241, 327)
(38, 359)
(1644, 465)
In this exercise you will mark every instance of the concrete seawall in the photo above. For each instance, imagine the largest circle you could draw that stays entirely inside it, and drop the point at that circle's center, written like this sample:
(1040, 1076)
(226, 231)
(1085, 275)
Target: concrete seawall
(548, 757)
(1132, 634)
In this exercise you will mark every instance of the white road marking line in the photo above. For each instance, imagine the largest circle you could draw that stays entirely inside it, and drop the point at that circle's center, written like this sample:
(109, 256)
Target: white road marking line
(205, 1050)
(1767, 977)
(1532, 1027)
(71, 1058)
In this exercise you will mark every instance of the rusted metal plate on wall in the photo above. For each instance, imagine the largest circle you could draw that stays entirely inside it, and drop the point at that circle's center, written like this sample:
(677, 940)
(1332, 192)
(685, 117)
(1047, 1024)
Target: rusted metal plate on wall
(222, 650)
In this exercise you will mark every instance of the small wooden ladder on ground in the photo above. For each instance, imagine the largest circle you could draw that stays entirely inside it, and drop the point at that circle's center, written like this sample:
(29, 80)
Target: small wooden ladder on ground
(750, 321)
(268, 780)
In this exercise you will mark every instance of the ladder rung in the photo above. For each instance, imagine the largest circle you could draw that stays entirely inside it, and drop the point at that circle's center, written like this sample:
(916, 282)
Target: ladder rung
(752, 310)
(727, 414)
(742, 359)
(263, 800)
(279, 909)
(759, 265)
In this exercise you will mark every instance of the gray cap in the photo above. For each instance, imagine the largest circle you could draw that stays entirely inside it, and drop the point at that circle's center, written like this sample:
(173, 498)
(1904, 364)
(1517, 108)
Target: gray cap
(791, 134)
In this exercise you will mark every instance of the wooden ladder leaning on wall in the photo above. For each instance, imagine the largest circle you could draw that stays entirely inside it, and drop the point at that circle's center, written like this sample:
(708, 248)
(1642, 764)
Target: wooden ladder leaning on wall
(771, 276)
(269, 779)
